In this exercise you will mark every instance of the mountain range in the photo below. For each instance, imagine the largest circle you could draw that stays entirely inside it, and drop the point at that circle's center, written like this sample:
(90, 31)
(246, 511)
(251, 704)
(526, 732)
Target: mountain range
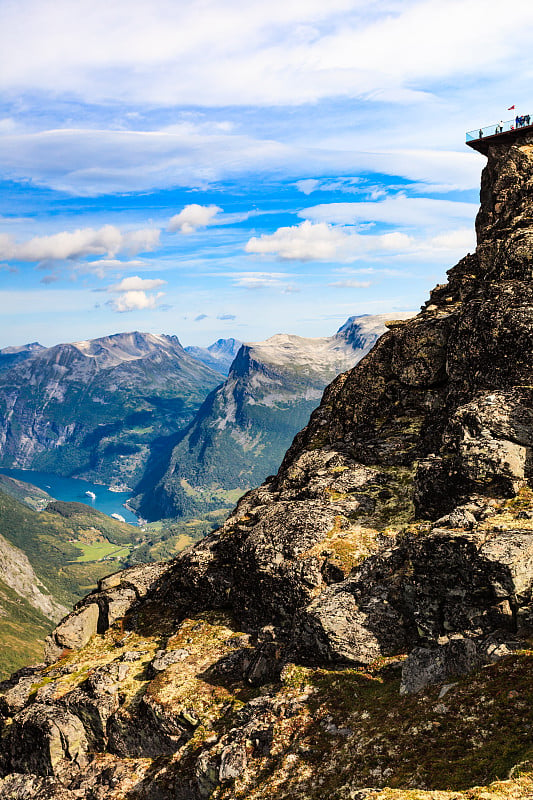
(219, 355)
(360, 627)
(243, 428)
(97, 408)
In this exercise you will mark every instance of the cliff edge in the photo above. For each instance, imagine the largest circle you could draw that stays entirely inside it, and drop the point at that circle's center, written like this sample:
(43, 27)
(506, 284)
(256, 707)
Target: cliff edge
(363, 619)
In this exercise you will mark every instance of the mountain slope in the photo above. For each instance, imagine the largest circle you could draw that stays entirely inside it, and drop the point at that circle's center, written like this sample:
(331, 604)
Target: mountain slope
(9, 356)
(327, 640)
(219, 355)
(242, 430)
(48, 561)
(95, 408)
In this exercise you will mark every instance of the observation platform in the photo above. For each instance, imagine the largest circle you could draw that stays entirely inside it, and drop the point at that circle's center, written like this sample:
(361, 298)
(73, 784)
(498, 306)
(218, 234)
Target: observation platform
(507, 132)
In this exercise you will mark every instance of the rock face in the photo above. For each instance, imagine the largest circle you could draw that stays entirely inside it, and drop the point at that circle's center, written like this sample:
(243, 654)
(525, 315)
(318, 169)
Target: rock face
(397, 537)
(243, 429)
(134, 388)
(17, 573)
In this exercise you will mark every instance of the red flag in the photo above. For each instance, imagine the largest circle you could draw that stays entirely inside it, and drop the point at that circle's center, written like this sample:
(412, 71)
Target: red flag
(511, 108)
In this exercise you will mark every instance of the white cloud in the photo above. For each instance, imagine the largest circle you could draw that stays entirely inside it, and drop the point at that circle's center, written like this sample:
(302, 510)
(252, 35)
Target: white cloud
(108, 240)
(136, 301)
(186, 154)
(394, 210)
(192, 217)
(351, 284)
(283, 52)
(308, 185)
(134, 294)
(321, 241)
(135, 283)
(262, 280)
(104, 265)
(464, 239)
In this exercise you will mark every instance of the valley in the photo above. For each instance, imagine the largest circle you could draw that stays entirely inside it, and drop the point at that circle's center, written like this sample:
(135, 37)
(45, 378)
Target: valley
(58, 522)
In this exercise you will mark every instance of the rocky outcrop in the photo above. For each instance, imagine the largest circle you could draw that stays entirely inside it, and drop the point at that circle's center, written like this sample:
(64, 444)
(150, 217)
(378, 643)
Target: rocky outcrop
(318, 643)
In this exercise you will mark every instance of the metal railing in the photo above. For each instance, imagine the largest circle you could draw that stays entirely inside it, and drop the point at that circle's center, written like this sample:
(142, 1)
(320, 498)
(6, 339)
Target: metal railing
(498, 127)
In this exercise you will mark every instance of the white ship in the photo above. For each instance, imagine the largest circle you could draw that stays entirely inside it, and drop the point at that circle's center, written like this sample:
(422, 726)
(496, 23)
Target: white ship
(91, 495)
(119, 517)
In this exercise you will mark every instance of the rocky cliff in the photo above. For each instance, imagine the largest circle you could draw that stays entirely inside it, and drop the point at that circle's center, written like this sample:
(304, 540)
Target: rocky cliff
(97, 408)
(363, 619)
(241, 432)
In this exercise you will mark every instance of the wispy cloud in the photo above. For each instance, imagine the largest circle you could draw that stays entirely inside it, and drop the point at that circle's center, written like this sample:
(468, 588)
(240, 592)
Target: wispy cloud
(257, 54)
(351, 284)
(394, 209)
(261, 280)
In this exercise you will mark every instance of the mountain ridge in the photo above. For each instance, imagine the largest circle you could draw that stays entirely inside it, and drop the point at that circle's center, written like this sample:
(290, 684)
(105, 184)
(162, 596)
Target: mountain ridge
(360, 626)
(161, 386)
(243, 428)
(219, 355)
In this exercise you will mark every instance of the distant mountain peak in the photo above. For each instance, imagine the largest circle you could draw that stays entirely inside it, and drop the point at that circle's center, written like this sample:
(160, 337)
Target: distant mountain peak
(218, 355)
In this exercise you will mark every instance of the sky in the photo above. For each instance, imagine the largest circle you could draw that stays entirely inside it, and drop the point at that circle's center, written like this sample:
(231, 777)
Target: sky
(216, 169)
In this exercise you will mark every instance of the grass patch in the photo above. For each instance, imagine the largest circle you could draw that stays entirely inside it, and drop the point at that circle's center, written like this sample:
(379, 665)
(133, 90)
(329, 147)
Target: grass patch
(100, 551)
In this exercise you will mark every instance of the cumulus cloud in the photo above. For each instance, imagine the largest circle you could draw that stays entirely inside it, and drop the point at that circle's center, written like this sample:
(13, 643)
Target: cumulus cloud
(321, 241)
(136, 301)
(108, 240)
(192, 217)
(135, 283)
(134, 294)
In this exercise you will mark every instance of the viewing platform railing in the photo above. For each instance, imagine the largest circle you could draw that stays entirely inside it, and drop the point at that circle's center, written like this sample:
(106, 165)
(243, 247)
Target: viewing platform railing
(498, 127)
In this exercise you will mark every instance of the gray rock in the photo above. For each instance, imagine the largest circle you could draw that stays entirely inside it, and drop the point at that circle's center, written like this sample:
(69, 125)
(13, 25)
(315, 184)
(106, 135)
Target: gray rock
(74, 631)
(425, 666)
(164, 658)
(96, 699)
(338, 627)
(46, 740)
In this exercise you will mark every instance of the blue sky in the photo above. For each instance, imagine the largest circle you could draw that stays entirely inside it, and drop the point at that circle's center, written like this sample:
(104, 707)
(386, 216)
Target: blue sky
(226, 169)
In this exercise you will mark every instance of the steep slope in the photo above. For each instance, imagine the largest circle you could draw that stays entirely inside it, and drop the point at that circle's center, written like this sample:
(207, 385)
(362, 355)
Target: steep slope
(219, 355)
(329, 636)
(25, 493)
(48, 561)
(96, 408)
(9, 356)
(243, 429)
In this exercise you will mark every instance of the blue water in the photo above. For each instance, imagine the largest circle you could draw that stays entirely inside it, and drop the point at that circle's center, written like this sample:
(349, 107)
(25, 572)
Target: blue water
(72, 489)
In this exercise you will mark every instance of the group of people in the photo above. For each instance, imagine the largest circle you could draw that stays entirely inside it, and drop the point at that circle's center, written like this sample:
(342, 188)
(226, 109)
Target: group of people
(520, 122)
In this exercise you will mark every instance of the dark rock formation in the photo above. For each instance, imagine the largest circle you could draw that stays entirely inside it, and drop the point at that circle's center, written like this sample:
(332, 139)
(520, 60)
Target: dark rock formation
(397, 536)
